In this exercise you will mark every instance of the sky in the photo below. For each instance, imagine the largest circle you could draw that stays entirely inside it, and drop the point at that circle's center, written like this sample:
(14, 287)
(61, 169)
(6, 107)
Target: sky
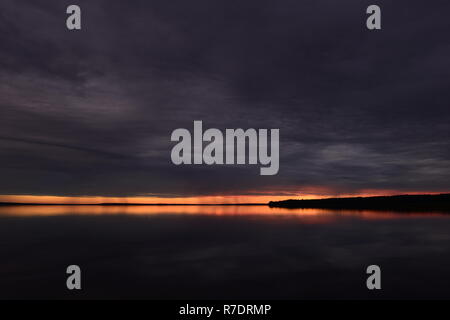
(88, 114)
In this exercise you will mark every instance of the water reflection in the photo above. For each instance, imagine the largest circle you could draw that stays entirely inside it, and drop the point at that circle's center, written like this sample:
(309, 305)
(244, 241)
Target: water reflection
(221, 252)
(309, 215)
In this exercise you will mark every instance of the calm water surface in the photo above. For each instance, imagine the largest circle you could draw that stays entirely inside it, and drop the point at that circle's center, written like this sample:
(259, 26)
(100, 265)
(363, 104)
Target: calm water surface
(214, 252)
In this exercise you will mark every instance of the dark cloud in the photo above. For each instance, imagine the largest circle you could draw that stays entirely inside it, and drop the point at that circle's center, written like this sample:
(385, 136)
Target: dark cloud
(91, 112)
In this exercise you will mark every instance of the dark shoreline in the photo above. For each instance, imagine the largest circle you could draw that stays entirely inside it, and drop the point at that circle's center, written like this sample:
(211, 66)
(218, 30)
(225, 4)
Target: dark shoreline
(439, 202)
(425, 202)
(129, 204)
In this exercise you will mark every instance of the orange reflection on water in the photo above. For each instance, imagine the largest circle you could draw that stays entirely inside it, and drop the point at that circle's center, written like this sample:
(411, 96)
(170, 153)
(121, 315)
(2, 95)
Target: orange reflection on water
(306, 215)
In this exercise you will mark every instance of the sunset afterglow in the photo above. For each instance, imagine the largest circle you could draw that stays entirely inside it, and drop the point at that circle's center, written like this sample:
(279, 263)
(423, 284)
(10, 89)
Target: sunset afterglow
(218, 199)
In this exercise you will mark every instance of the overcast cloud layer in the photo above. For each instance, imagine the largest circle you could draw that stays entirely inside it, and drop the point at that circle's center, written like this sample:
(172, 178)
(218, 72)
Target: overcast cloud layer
(90, 112)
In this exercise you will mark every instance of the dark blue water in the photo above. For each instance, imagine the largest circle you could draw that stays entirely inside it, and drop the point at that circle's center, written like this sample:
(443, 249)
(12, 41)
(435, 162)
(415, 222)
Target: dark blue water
(210, 252)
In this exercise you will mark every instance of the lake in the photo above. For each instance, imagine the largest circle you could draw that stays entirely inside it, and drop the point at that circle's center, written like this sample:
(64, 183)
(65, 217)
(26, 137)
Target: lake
(221, 252)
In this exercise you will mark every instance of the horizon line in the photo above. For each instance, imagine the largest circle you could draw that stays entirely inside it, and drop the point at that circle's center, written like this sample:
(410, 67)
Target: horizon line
(14, 203)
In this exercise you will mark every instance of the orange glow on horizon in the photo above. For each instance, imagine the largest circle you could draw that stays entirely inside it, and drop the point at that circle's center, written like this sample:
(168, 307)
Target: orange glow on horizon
(216, 199)
(233, 199)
